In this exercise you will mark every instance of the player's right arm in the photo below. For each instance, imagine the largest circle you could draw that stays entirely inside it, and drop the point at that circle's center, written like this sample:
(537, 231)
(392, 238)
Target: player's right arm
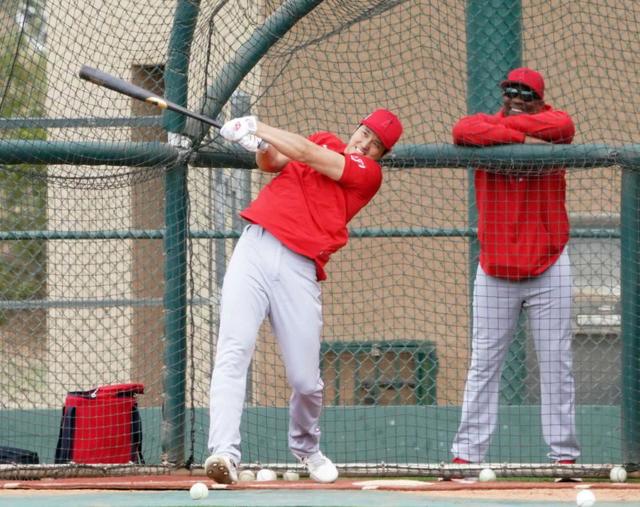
(271, 160)
(484, 130)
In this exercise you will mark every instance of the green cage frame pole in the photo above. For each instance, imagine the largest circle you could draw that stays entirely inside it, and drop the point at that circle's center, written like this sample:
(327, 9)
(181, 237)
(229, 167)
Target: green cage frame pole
(630, 296)
(175, 242)
(494, 46)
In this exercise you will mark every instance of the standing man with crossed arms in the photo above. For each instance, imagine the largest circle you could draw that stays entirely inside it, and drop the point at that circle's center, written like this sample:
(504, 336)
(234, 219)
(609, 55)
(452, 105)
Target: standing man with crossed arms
(523, 230)
(297, 221)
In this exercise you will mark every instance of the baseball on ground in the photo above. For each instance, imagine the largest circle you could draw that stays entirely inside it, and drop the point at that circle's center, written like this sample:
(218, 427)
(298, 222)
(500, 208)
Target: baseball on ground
(265, 474)
(486, 475)
(291, 475)
(618, 474)
(585, 498)
(246, 476)
(199, 490)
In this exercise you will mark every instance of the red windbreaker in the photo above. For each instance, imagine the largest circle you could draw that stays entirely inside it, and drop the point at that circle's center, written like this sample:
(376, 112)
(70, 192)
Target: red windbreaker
(522, 220)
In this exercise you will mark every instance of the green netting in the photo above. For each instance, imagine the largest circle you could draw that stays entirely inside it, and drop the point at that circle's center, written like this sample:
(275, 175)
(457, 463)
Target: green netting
(117, 222)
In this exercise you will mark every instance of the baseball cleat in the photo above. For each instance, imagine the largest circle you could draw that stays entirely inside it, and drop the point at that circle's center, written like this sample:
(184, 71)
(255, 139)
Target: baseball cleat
(321, 469)
(221, 469)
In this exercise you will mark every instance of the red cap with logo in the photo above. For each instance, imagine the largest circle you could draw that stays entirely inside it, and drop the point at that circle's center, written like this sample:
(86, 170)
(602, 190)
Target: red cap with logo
(385, 125)
(527, 77)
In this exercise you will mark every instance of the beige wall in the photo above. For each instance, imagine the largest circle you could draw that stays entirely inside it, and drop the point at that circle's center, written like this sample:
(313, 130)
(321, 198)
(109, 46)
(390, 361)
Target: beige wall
(415, 64)
(104, 345)
(411, 59)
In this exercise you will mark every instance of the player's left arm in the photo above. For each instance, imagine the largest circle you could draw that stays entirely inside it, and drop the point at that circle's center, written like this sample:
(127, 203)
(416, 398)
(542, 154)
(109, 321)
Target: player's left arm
(283, 147)
(550, 126)
(362, 175)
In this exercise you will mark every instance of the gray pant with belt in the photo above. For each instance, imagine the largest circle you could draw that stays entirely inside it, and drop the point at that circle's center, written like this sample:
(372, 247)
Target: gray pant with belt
(265, 278)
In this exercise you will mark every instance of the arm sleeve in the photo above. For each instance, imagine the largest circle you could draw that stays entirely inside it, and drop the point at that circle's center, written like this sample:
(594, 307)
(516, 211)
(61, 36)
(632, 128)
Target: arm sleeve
(551, 126)
(362, 174)
(484, 130)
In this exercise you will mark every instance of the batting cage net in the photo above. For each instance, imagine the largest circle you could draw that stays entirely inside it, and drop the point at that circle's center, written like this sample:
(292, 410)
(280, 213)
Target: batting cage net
(118, 221)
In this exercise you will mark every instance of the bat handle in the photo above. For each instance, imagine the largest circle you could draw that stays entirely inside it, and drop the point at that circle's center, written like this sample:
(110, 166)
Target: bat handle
(157, 101)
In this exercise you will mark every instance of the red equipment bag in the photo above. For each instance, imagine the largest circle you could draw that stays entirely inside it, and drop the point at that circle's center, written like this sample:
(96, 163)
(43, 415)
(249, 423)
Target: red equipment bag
(101, 426)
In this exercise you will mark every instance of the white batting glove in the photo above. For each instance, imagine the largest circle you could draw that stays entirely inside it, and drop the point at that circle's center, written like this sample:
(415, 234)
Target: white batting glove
(237, 128)
(253, 143)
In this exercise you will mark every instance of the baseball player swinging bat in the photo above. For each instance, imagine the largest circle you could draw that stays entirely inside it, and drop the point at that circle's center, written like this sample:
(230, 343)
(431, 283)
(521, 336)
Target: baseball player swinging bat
(121, 86)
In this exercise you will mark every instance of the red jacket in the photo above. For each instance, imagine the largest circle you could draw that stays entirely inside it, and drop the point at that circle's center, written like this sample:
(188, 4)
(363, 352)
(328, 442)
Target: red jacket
(522, 220)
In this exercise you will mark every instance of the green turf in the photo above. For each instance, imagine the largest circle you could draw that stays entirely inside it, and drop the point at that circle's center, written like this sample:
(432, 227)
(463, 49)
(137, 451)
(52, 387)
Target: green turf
(259, 498)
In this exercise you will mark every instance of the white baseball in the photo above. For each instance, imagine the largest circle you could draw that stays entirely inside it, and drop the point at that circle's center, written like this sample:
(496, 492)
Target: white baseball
(246, 476)
(487, 475)
(265, 474)
(585, 498)
(618, 474)
(199, 490)
(291, 475)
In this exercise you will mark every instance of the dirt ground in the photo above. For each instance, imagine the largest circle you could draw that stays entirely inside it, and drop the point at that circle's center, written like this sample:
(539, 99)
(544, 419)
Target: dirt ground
(604, 491)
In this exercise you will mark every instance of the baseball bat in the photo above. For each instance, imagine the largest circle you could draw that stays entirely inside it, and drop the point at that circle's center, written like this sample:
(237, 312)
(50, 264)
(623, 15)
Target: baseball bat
(121, 86)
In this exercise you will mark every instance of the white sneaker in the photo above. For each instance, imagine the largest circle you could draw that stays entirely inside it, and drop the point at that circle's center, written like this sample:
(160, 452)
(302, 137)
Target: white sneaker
(221, 469)
(321, 468)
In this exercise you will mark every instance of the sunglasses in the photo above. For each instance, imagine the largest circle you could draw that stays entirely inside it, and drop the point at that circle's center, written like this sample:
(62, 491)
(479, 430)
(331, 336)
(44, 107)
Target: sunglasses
(525, 95)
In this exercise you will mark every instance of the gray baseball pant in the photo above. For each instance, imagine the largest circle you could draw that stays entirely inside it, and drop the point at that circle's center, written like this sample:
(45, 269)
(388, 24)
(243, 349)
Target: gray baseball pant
(265, 278)
(496, 308)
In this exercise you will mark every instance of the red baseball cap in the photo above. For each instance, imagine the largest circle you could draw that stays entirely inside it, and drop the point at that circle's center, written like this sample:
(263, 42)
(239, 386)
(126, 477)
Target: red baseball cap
(385, 125)
(527, 77)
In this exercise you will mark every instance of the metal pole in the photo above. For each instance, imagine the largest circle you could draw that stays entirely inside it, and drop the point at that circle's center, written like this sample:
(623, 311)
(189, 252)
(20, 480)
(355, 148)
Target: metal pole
(494, 46)
(175, 300)
(630, 295)
(175, 242)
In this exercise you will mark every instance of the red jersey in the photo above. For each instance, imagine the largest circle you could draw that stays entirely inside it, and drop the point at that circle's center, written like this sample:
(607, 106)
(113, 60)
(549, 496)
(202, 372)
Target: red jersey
(308, 211)
(522, 220)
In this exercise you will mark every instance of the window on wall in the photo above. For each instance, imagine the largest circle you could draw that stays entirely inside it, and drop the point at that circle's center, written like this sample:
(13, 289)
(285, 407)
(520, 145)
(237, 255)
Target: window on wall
(596, 274)
(596, 309)
(149, 77)
(147, 212)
